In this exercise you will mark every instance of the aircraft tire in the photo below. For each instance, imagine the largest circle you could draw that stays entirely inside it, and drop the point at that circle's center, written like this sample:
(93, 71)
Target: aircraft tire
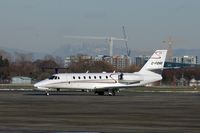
(100, 93)
(111, 93)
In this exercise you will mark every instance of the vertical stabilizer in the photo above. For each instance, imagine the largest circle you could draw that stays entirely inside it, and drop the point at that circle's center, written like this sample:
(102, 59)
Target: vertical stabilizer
(156, 62)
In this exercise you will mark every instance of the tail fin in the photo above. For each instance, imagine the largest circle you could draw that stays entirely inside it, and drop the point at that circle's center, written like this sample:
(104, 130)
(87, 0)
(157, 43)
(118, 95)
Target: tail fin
(156, 62)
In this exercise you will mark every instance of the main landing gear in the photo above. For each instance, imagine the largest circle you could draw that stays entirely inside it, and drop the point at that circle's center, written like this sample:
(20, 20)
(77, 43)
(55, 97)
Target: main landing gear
(110, 92)
(101, 93)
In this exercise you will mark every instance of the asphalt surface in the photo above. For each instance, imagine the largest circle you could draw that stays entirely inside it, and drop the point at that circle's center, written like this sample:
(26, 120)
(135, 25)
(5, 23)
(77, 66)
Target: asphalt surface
(26, 111)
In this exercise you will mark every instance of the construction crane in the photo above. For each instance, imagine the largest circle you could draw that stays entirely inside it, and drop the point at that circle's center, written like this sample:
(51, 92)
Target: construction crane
(109, 39)
(128, 51)
(169, 41)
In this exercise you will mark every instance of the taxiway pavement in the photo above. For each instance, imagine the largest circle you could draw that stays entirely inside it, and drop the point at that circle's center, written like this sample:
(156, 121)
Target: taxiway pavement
(29, 111)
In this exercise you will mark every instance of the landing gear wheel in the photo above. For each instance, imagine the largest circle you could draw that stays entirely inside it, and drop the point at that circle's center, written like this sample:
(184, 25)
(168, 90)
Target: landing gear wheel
(100, 93)
(111, 93)
(47, 93)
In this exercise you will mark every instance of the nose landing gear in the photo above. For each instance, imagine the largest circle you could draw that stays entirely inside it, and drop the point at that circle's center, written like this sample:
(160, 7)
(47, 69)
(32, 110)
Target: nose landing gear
(100, 93)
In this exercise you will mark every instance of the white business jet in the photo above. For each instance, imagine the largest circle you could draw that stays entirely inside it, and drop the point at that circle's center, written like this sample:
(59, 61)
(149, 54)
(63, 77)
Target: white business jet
(100, 83)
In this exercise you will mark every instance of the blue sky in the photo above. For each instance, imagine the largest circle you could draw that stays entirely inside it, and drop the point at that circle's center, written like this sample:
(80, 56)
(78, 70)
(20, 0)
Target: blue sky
(40, 25)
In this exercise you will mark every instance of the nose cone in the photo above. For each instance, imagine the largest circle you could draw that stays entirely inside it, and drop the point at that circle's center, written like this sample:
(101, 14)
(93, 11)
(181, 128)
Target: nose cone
(36, 84)
(40, 84)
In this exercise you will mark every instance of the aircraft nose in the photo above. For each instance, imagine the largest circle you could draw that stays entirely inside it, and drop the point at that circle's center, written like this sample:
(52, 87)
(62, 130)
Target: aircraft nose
(36, 84)
(39, 84)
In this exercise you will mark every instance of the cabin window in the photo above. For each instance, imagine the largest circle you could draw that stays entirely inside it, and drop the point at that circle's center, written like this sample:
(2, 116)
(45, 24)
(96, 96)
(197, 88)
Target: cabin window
(106, 77)
(58, 77)
(73, 77)
(55, 77)
(79, 77)
(89, 77)
(52, 77)
(84, 77)
(95, 77)
(99, 77)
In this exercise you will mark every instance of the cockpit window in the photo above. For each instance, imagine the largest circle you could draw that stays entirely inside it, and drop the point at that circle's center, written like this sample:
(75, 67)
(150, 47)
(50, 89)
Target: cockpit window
(54, 77)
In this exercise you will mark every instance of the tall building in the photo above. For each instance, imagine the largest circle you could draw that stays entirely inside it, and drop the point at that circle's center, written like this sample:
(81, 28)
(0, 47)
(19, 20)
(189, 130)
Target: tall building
(141, 60)
(176, 61)
(119, 61)
(185, 59)
(70, 59)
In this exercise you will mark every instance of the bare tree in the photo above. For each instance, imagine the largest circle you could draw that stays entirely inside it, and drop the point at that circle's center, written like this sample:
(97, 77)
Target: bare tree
(23, 57)
(89, 65)
(5, 55)
(49, 57)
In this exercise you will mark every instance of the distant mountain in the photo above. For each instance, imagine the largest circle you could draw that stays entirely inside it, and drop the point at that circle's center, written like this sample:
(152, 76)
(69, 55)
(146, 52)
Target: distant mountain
(99, 49)
(189, 52)
(181, 52)
(96, 49)
(89, 49)
(12, 51)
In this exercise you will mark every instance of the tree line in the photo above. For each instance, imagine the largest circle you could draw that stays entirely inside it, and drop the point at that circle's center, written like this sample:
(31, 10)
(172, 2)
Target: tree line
(21, 64)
